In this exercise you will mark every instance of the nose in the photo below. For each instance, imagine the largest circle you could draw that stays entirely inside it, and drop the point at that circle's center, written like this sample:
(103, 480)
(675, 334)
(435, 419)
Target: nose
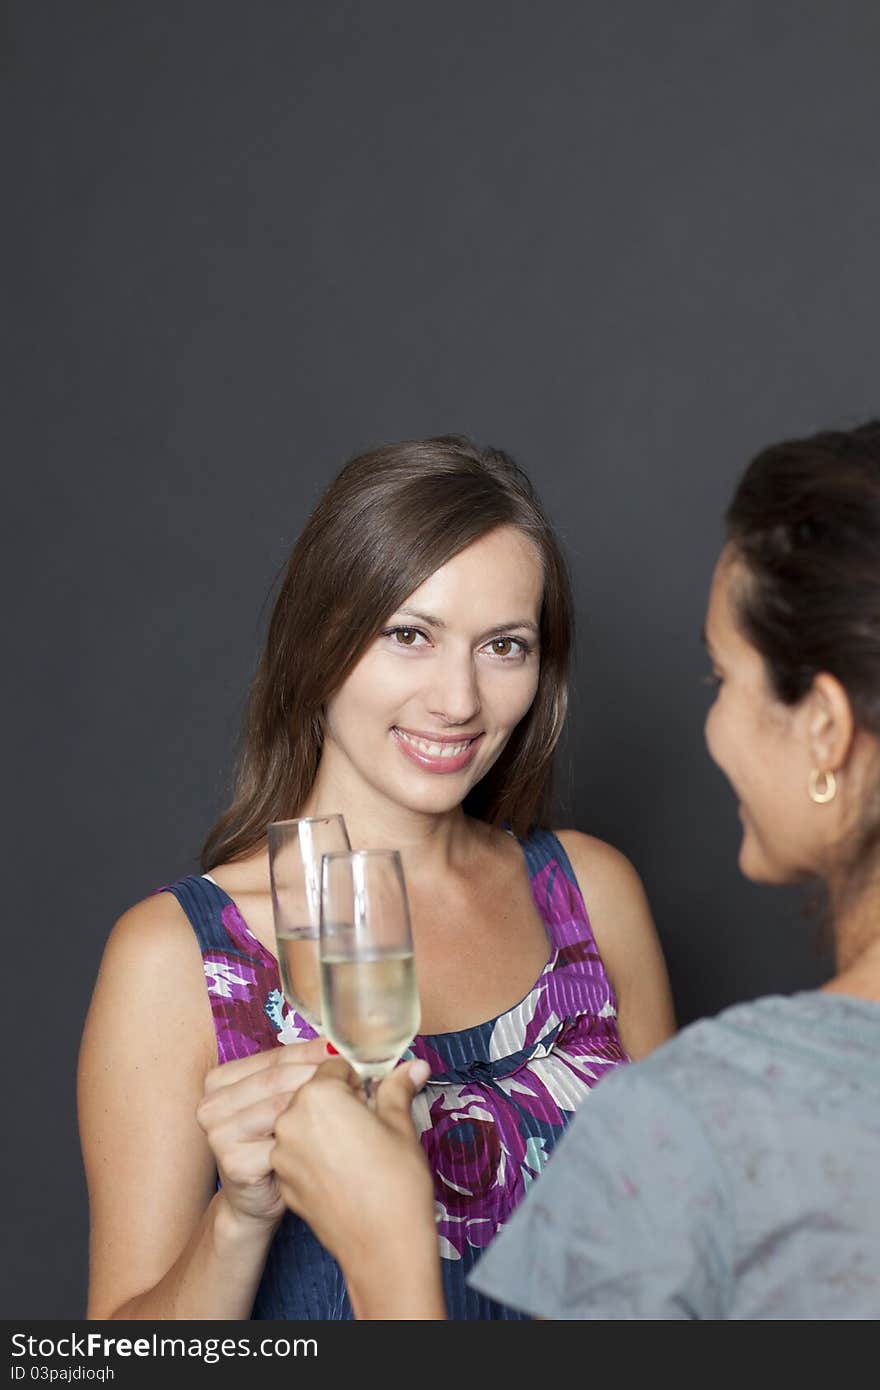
(453, 696)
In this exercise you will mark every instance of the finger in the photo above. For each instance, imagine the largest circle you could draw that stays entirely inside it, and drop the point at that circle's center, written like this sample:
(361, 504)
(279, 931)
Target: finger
(281, 1077)
(254, 1122)
(222, 1106)
(247, 1164)
(309, 1099)
(312, 1053)
(229, 1073)
(395, 1095)
(337, 1069)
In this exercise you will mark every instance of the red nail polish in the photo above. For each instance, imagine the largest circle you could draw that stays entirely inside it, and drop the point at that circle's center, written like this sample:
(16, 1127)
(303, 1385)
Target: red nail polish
(332, 1050)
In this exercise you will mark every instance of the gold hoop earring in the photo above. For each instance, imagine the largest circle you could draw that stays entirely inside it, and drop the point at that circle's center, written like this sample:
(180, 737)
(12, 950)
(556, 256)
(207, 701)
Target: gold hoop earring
(828, 790)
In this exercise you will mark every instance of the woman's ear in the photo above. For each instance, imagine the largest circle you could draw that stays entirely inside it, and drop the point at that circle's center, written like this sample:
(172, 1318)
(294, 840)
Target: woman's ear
(830, 726)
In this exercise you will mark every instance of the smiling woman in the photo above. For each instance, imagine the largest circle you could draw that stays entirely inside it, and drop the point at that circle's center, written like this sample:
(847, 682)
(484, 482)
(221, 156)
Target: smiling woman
(371, 559)
(414, 681)
(736, 1167)
(444, 694)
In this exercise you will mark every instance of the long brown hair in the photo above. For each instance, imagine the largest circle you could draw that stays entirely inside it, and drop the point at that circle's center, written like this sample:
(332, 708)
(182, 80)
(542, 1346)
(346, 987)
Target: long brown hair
(391, 518)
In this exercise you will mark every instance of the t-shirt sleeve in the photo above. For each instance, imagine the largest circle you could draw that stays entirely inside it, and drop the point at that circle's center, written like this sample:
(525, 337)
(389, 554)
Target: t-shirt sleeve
(630, 1219)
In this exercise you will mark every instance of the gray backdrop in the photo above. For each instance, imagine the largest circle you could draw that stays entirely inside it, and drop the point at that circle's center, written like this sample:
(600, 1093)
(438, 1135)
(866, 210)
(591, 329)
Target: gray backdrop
(630, 243)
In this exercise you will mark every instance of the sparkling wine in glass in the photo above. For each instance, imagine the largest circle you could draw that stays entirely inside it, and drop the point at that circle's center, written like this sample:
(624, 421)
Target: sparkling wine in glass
(295, 851)
(369, 993)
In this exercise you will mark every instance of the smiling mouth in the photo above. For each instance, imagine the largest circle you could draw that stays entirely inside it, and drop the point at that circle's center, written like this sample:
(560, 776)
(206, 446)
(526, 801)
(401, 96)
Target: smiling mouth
(431, 749)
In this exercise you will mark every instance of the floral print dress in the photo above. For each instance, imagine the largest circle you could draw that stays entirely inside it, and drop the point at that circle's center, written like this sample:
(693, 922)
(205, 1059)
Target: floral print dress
(499, 1096)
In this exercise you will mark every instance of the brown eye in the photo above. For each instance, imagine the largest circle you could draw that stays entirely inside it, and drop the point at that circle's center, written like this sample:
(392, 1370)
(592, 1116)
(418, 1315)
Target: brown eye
(405, 636)
(506, 647)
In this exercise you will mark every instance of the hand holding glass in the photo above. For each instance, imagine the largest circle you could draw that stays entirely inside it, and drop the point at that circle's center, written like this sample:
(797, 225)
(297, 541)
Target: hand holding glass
(369, 993)
(295, 850)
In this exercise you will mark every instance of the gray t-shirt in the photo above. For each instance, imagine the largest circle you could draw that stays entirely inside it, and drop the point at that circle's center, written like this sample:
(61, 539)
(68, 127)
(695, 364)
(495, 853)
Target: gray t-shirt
(734, 1173)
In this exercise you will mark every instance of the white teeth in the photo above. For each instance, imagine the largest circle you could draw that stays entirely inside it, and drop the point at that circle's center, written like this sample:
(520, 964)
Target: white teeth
(435, 750)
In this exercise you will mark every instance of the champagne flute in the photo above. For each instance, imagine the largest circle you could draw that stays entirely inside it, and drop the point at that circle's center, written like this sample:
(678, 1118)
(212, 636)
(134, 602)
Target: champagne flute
(369, 993)
(295, 850)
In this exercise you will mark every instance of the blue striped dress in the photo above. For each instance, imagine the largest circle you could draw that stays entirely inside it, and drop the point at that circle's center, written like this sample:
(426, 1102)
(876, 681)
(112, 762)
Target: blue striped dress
(499, 1096)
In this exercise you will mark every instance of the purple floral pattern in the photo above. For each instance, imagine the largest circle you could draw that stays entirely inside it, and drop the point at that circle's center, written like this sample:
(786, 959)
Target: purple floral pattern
(488, 1121)
(500, 1094)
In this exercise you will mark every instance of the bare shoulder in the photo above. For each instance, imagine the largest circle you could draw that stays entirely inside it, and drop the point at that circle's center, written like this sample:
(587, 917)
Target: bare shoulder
(605, 876)
(152, 976)
(624, 931)
(155, 934)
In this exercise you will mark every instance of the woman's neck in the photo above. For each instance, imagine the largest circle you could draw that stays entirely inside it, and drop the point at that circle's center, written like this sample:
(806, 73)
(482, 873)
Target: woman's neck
(857, 936)
(425, 841)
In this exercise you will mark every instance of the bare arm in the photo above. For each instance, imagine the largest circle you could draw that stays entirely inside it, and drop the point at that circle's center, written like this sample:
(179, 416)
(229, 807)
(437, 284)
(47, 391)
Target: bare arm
(627, 940)
(164, 1243)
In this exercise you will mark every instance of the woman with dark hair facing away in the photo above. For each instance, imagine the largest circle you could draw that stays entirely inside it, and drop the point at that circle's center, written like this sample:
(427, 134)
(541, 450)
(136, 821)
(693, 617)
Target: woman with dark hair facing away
(733, 1173)
(414, 680)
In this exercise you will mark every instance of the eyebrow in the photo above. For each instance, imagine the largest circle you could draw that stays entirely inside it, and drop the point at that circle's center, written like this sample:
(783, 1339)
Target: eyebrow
(430, 621)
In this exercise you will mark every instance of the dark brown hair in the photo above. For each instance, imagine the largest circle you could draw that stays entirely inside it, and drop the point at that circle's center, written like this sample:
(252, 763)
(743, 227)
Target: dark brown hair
(391, 518)
(805, 521)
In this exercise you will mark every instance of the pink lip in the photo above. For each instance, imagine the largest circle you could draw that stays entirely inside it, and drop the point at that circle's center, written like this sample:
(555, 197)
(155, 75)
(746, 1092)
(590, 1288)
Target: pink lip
(429, 764)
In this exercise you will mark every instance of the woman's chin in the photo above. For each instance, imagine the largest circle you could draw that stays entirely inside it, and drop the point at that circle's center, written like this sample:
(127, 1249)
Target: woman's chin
(754, 863)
